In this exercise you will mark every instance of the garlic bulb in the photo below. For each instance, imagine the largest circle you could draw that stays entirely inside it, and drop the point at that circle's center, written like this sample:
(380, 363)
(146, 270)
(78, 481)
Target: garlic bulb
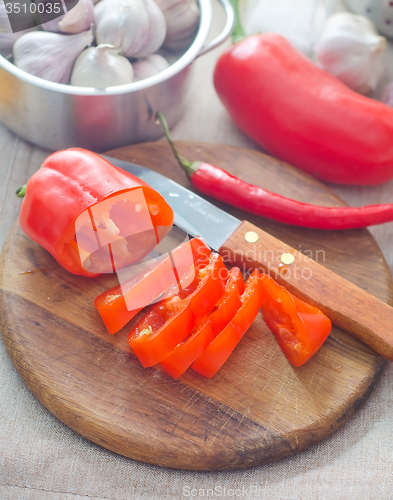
(136, 27)
(5, 25)
(79, 18)
(351, 50)
(101, 67)
(7, 41)
(7, 37)
(50, 55)
(378, 11)
(149, 66)
(182, 21)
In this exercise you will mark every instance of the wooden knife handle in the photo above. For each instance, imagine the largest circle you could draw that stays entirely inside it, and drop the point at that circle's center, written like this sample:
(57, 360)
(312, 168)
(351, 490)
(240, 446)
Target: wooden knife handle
(348, 306)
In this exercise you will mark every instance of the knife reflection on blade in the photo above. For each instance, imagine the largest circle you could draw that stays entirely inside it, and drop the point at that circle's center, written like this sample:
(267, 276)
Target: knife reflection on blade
(247, 246)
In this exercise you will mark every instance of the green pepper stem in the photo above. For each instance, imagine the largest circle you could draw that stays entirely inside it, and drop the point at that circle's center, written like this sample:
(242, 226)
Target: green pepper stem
(21, 191)
(188, 166)
(238, 33)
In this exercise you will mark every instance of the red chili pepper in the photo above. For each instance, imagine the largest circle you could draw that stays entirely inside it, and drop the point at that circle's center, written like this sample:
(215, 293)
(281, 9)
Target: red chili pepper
(300, 328)
(221, 185)
(90, 215)
(185, 353)
(219, 350)
(170, 321)
(117, 305)
(303, 115)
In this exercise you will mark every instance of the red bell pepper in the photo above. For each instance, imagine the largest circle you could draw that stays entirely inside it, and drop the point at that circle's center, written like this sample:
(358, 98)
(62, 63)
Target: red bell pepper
(219, 350)
(90, 215)
(300, 328)
(185, 353)
(170, 321)
(302, 115)
(121, 303)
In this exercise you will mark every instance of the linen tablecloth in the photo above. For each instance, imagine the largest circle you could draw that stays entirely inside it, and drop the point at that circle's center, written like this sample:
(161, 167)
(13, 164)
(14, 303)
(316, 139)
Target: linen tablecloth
(42, 459)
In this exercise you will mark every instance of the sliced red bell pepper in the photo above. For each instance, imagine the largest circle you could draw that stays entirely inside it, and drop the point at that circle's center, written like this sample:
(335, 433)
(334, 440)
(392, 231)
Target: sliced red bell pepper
(170, 321)
(219, 350)
(90, 215)
(300, 329)
(185, 353)
(121, 303)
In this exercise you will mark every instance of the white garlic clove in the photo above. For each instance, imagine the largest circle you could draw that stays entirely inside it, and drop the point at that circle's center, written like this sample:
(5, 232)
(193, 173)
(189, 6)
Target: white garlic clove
(79, 18)
(182, 20)
(53, 26)
(50, 55)
(137, 28)
(350, 49)
(149, 66)
(101, 67)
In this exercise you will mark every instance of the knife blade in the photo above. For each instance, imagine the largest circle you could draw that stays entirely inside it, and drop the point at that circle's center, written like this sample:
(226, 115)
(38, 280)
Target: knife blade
(188, 207)
(247, 246)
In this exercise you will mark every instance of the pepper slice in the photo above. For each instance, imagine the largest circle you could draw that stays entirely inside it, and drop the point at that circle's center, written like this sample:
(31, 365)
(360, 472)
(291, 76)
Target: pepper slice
(229, 303)
(116, 306)
(300, 329)
(219, 350)
(170, 321)
(185, 353)
(90, 215)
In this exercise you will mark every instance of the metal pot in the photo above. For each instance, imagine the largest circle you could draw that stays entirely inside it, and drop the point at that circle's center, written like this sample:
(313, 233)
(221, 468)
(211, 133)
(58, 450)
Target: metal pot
(56, 116)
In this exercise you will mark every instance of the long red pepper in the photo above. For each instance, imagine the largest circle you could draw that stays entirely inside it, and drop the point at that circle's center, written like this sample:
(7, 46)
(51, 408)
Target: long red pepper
(302, 114)
(221, 185)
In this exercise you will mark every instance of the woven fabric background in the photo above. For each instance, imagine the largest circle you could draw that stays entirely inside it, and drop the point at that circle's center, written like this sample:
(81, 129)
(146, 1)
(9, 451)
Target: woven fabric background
(42, 459)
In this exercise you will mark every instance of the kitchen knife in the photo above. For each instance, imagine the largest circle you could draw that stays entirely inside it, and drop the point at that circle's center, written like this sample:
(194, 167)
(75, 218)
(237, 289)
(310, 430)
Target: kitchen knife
(247, 246)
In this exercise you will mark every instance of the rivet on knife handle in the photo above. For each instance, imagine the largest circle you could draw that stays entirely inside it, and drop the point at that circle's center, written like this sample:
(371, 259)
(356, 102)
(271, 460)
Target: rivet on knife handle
(348, 306)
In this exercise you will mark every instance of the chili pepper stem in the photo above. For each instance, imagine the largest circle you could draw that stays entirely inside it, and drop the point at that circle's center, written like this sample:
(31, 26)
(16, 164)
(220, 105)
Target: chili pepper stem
(21, 191)
(188, 166)
(238, 33)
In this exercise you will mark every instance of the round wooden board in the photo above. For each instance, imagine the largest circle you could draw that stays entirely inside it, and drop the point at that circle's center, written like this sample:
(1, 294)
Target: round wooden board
(256, 409)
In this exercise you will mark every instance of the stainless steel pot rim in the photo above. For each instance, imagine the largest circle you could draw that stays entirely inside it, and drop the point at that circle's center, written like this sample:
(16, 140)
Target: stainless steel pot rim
(188, 57)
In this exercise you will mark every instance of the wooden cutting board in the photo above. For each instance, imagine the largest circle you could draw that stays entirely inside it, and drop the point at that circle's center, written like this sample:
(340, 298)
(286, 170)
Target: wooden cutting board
(256, 409)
